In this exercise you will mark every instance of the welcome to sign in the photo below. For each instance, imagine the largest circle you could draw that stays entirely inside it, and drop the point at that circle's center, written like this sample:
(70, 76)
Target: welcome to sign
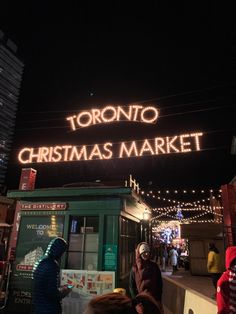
(182, 143)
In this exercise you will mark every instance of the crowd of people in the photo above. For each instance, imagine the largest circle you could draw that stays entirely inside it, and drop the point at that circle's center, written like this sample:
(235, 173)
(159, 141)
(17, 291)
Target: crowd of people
(145, 282)
(169, 255)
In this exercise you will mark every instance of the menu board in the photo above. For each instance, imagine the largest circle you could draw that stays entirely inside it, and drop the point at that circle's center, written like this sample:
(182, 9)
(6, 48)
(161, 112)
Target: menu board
(87, 282)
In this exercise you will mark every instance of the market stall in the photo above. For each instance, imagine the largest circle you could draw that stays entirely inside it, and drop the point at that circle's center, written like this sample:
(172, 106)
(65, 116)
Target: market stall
(100, 223)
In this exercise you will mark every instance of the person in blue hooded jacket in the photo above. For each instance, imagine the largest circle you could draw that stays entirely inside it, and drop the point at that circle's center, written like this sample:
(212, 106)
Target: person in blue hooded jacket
(47, 295)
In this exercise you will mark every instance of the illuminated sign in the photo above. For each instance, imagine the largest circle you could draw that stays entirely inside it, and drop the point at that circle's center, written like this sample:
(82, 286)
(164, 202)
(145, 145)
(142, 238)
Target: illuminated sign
(43, 206)
(134, 113)
(183, 143)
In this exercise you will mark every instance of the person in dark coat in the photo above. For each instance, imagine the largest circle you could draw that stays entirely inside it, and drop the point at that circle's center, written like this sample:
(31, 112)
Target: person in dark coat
(47, 295)
(145, 275)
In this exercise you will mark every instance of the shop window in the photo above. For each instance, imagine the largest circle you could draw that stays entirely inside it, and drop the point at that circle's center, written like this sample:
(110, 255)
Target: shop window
(129, 237)
(83, 243)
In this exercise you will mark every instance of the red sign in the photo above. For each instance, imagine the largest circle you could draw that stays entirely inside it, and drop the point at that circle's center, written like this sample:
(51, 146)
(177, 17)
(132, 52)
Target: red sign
(24, 267)
(43, 206)
(27, 179)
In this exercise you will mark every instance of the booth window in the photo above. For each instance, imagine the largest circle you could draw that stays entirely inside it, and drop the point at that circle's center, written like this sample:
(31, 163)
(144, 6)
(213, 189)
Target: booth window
(83, 243)
(129, 237)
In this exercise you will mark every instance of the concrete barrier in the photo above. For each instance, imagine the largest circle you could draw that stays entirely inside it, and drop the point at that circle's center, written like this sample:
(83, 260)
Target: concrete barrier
(179, 299)
(196, 303)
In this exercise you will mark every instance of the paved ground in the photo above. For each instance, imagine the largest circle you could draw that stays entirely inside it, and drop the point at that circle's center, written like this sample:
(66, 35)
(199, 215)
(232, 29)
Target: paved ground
(201, 284)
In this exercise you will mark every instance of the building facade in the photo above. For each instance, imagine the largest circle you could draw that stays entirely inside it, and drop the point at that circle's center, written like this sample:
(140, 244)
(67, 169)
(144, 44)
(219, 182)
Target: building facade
(101, 225)
(11, 70)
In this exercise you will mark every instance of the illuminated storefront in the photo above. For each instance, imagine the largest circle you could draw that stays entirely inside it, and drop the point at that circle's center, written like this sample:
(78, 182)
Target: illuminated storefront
(101, 225)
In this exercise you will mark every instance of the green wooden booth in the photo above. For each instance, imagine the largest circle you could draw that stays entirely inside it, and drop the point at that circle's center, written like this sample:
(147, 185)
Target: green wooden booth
(101, 225)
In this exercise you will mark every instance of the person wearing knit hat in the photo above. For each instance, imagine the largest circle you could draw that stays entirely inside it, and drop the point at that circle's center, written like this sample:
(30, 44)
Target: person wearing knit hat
(145, 275)
(144, 248)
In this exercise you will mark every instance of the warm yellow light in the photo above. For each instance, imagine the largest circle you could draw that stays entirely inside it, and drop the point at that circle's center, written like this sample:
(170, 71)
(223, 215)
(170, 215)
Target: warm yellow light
(113, 114)
(65, 153)
(146, 147)
(146, 214)
(152, 119)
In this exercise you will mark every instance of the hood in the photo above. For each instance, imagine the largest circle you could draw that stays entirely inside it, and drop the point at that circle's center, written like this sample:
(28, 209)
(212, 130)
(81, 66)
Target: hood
(230, 255)
(56, 248)
(138, 248)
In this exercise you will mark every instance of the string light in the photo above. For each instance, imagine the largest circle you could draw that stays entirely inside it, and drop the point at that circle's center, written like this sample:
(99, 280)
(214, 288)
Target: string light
(193, 191)
(167, 222)
(182, 203)
(198, 206)
(210, 209)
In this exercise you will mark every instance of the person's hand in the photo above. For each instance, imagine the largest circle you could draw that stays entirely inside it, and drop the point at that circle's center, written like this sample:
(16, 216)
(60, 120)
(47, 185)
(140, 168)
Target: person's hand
(139, 308)
(65, 291)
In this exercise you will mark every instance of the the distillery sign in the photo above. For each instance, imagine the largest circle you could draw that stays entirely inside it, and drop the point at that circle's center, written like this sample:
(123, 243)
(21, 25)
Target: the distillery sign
(181, 143)
(43, 206)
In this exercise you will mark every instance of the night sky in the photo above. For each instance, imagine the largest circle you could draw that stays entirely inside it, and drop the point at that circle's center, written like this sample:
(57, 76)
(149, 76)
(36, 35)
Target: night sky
(181, 59)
